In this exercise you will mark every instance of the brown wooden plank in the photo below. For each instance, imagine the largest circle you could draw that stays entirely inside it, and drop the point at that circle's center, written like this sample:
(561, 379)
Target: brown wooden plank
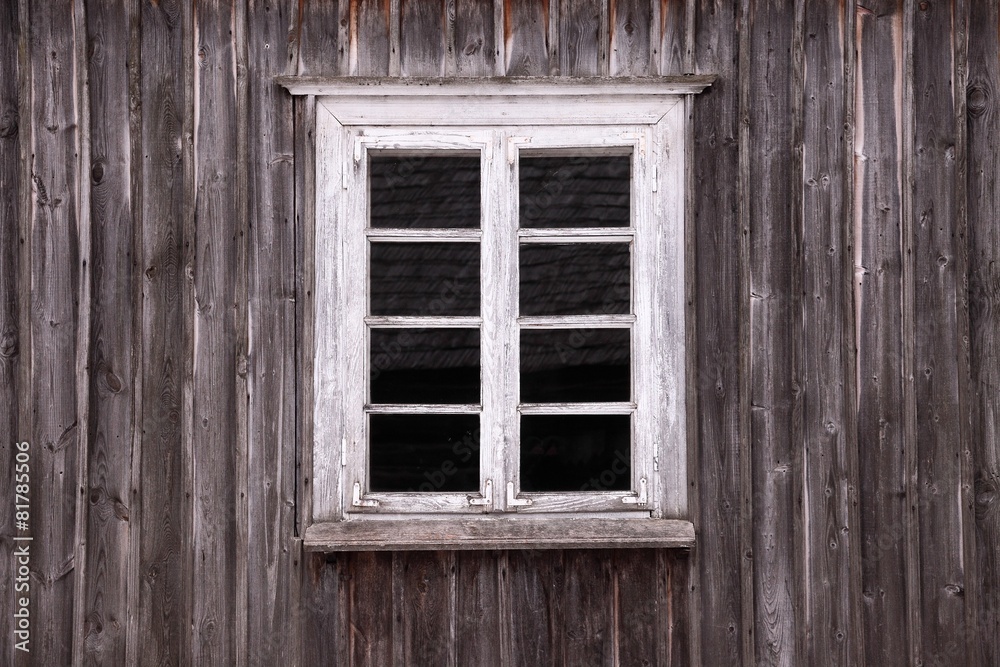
(369, 37)
(632, 32)
(166, 180)
(674, 620)
(11, 290)
(939, 422)
(827, 435)
(983, 248)
(477, 609)
(719, 338)
(322, 47)
(475, 38)
(579, 37)
(319, 611)
(671, 54)
(271, 560)
(113, 222)
(636, 607)
(536, 605)
(770, 91)
(425, 605)
(370, 613)
(526, 29)
(588, 608)
(881, 418)
(54, 237)
(217, 356)
(422, 47)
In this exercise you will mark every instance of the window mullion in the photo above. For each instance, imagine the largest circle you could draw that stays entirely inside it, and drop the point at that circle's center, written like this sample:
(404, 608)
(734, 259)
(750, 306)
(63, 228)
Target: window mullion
(499, 329)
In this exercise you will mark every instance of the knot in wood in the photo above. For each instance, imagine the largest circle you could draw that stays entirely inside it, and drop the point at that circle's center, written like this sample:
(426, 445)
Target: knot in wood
(978, 99)
(8, 344)
(8, 123)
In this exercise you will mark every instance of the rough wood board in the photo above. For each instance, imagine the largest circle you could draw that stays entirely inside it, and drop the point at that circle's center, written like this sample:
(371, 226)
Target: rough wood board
(775, 418)
(721, 440)
(878, 273)
(369, 631)
(218, 609)
(579, 37)
(271, 561)
(163, 617)
(322, 28)
(632, 33)
(424, 603)
(481, 533)
(422, 47)
(54, 238)
(369, 37)
(475, 41)
(589, 632)
(526, 37)
(636, 606)
(477, 611)
(670, 51)
(112, 313)
(983, 248)
(535, 607)
(937, 337)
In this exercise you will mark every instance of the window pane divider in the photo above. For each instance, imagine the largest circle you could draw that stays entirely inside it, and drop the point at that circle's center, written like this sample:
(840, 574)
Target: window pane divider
(623, 321)
(423, 322)
(617, 408)
(423, 408)
(416, 235)
(577, 235)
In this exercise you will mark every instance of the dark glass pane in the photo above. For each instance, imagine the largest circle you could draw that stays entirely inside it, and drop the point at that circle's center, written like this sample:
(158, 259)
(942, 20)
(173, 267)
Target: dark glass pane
(425, 278)
(575, 365)
(575, 279)
(576, 453)
(424, 453)
(424, 191)
(593, 191)
(425, 365)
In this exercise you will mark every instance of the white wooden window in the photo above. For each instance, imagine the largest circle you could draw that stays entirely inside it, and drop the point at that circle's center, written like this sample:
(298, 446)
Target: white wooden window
(479, 452)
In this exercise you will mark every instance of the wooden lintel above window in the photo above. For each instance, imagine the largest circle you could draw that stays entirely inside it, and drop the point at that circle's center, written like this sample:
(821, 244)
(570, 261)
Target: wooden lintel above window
(499, 533)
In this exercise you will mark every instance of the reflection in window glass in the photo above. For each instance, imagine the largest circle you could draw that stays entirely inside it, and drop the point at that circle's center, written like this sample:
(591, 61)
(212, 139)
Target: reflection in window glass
(574, 279)
(424, 191)
(575, 365)
(424, 278)
(582, 191)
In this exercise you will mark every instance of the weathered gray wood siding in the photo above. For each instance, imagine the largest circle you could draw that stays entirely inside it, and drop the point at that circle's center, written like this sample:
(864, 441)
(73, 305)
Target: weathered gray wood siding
(155, 346)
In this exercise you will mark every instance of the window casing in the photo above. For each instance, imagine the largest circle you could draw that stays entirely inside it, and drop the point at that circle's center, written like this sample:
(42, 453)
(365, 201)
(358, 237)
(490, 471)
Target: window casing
(502, 127)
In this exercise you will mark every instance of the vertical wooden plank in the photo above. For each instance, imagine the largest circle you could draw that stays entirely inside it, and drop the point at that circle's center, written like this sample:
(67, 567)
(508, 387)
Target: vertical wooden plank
(671, 54)
(369, 614)
(11, 287)
(775, 417)
(422, 47)
(113, 221)
(323, 38)
(167, 172)
(54, 239)
(477, 609)
(425, 607)
(475, 38)
(579, 37)
(831, 572)
(983, 247)
(878, 274)
(674, 619)
(369, 37)
(271, 382)
(535, 581)
(319, 613)
(588, 612)
(937, 339)
(631, 35)
(526, 29)
(718, 558)
(637, 607)
(217, 356)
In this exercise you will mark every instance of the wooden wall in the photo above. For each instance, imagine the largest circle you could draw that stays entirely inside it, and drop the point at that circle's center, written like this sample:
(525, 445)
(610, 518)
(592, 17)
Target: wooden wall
(845, 374)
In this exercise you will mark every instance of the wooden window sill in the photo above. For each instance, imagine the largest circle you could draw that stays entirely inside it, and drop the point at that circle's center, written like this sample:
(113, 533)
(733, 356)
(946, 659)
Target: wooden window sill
(498, 533)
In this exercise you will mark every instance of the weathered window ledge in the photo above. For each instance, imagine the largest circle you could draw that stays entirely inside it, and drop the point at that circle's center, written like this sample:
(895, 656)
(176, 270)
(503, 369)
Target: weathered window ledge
(499, 533)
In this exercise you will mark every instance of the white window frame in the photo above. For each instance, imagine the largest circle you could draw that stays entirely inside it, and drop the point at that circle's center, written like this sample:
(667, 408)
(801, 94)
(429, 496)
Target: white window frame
(501, 119)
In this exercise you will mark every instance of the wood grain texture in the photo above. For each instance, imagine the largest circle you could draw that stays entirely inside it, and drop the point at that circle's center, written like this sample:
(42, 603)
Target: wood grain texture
(271, 447)
(770, 92)
(424, 607)
(478, 619)
(831, 575)
(320, 611)
(526, 37)
(369, 20)
(12, 287)
(56, 225)
(721, 439)
(670, 45)
(589, 633)
(937, 337)
(579, 37)
(535, 607)
(422, 45)
(475, 41)
(166, 175)
(983, 251)
(636, 607)
(632, 33)
(217, 358)
(369, 616)
(113, 219)
(323, 37)
(878, 276)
